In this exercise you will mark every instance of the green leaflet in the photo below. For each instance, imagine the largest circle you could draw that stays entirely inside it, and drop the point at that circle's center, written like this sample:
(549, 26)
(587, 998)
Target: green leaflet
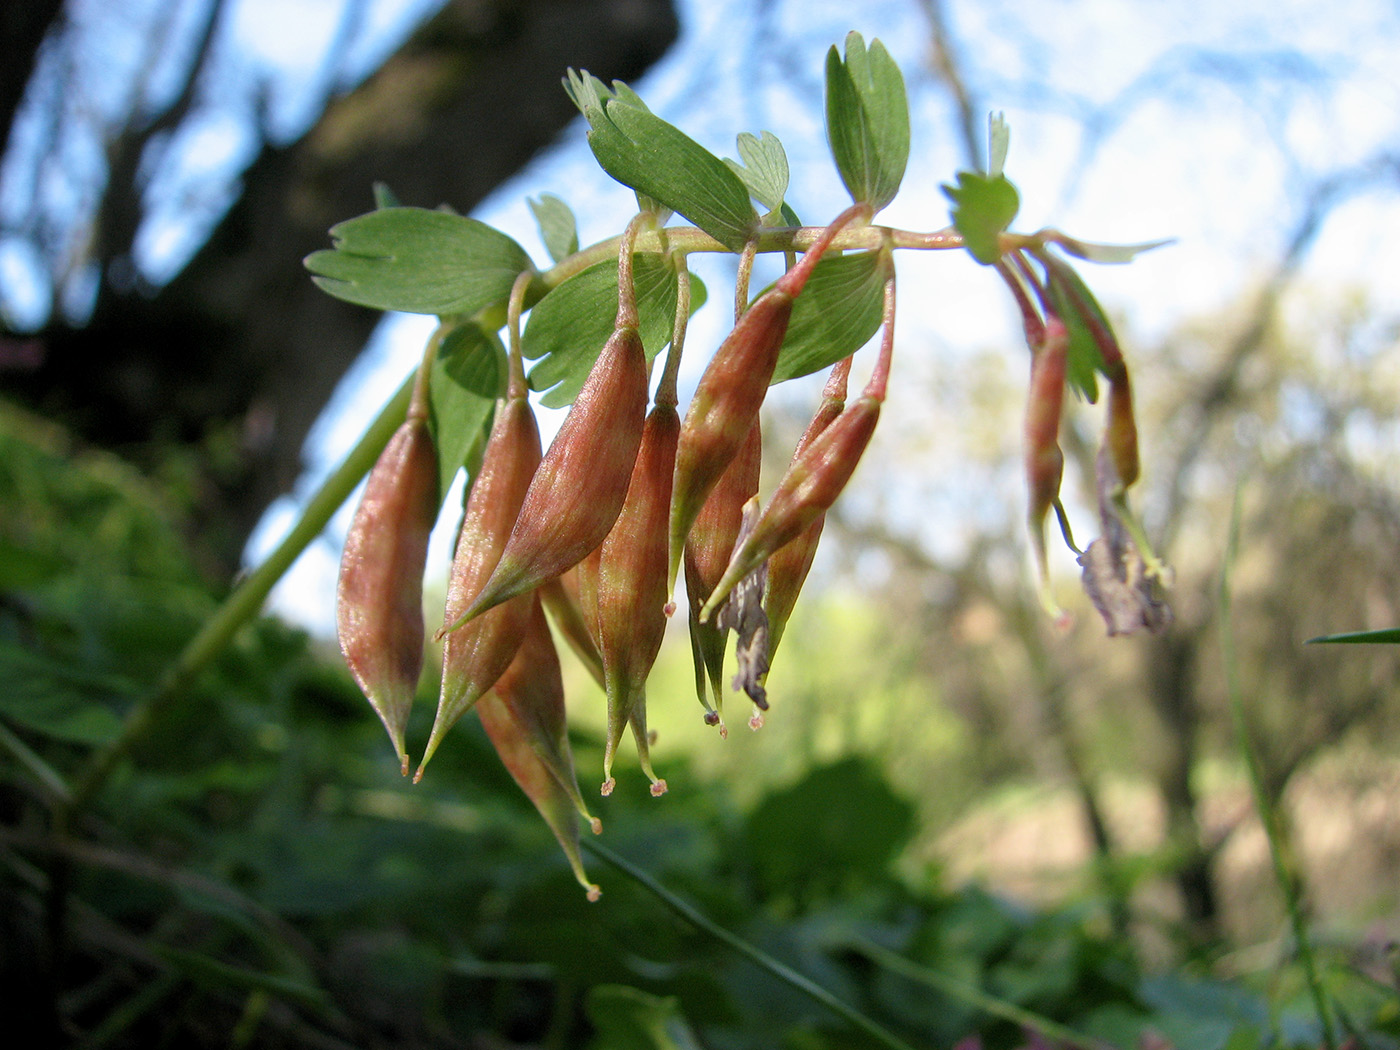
(1386, 636)
(661, 162)
(418, 261)
(867, 120)
(763, 167)
(838, 311)
(568, 327)
(983, 207)
(469, 374)
(558, 228)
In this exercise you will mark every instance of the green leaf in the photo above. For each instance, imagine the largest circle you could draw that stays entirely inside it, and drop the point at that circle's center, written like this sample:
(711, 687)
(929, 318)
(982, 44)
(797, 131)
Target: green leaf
(469, 374)
(844, 813)
(983, 207)
(657, 159)
(867, 120)
(838, 311)
(1085, 321)
(627, 1018)
(568, 327)
(764, 168)
(1386, 636)
(384, 197)
(998, 141)
(1106, 253)
(418, 261)
(557, 225)
(660, 162)
(59, 699)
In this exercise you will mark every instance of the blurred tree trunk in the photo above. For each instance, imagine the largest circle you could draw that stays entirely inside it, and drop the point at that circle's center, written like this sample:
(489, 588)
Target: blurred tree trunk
(23, 27)
(238, 354)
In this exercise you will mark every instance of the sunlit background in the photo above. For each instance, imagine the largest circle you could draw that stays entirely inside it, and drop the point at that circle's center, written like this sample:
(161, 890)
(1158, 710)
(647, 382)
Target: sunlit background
(1262, 136)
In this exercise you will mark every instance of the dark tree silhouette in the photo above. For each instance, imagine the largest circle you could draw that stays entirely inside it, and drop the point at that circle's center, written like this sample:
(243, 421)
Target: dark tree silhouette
(239, 352)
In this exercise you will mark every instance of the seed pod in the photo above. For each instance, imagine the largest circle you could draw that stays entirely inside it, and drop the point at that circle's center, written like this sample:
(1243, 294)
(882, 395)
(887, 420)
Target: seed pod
(576, 493)
(812, 482)
(560, 597)
(1120, 431)
(474, 654)
(524, 717)
(631, 595)
(1044, 461)
(790, 563)
(732, 389)
(379, 601)
(708, 549)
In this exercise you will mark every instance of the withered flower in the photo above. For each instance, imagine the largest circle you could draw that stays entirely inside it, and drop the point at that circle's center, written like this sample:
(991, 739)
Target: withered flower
(708, 549)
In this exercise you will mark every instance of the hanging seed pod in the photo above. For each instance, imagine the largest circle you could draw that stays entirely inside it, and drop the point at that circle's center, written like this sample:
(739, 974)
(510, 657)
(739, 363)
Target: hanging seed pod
(560, 597)
(1044, 461)
(631, 589)
(524, 717)
(732, 389)
(379, 601)
(790, 563)
(808, 489)
(576, 493)
(475, 653)
(708, 549)
(1120, 430)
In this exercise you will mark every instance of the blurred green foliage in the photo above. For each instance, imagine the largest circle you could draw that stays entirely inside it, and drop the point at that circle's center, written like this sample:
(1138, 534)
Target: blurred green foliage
(261, 876)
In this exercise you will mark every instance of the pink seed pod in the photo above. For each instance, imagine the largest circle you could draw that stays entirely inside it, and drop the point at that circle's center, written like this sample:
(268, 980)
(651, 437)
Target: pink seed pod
(732, 389)
(561, 599)
(475, 653)
(815, 478)
(577, 492)
(524, 717)
(1044, 460)
(1120, 429)
(708, 549)
(790, 563)
(631, 588)
(379, 601)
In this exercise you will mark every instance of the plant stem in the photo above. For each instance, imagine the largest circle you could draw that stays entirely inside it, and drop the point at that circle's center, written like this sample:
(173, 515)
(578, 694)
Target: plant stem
(1269, 816)
(687, 239)
(241, 606)
(974, 997)
(755, 955)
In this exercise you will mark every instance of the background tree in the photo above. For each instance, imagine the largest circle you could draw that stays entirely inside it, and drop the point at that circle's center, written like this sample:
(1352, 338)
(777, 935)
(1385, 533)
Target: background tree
(236, 354)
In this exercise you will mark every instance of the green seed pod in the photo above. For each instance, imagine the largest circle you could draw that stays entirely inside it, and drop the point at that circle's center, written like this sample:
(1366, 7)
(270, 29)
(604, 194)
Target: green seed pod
(524, 717)
(475, 653)
(577, 492)
(631, 588)
(379, 601)
(812, 482)
(708, 549)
